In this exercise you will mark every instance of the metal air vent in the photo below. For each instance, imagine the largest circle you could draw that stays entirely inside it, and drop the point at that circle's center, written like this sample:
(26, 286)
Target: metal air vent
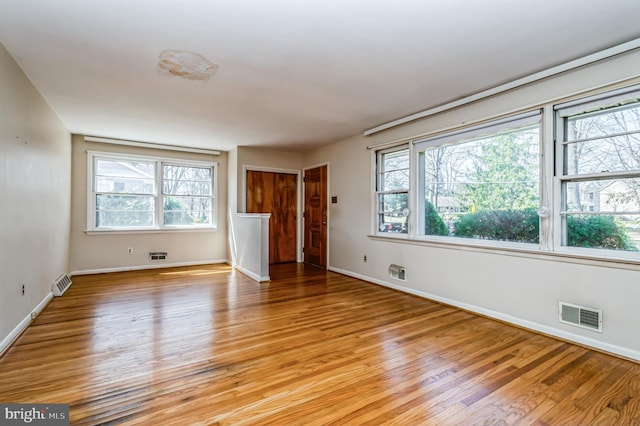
(60, 285)
(156, 256)
(398, 272)
(581, 316)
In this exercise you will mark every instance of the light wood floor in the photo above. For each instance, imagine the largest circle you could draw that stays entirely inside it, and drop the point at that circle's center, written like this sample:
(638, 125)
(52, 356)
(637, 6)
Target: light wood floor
(206, 345)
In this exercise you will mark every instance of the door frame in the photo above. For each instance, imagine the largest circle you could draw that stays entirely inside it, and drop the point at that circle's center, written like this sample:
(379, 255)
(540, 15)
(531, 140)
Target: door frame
(299, 199)
(315, 166)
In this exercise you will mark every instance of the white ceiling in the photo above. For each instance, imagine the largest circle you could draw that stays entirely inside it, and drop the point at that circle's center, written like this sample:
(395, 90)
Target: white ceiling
(292, 73)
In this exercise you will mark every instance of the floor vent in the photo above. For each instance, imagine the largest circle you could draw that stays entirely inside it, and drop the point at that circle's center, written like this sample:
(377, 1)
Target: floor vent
(581, 316)
(398, 272)
(156, 256)
(60, 285)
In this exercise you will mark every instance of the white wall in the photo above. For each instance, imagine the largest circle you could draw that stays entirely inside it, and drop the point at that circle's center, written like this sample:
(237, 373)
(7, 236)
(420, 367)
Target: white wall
(108, 252)
(249, 241)
(232, 182)
(521, 289)
(35, 191)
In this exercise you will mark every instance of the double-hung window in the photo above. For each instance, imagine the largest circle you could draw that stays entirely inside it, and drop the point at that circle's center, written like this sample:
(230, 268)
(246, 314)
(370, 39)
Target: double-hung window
(123, 193)
(143, 193)
(187, 193)
(598, 172)
(564, 178)
(392, 190)
(482, 182)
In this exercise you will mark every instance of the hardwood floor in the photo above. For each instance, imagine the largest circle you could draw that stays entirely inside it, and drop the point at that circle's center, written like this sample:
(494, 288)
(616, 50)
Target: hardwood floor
(207, 345)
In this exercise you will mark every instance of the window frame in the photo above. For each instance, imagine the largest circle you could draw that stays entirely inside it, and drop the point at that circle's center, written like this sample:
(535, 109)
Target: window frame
(378, 154)
(563, 112)
(163, 196)
(550, 187)
(474, 132)
(157, 195)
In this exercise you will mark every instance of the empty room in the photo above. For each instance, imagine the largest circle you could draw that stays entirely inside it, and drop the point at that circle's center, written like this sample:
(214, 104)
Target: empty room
(315, 212)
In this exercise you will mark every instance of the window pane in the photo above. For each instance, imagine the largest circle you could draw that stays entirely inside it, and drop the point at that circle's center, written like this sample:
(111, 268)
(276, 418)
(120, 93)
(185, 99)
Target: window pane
(124, 211)
(602, 213)
(395, 160)
(187, 211)
(190, 200)
(202, 174)
(612, 121)
(181, 180)
(613, 154)
(107, 219)
(182, 187)
(393, 169)
(126, 177)
(485, 188)
(393, 212)
(613, 232)
(122, 185)
(124, 202)
(612, 195)
(395, 180)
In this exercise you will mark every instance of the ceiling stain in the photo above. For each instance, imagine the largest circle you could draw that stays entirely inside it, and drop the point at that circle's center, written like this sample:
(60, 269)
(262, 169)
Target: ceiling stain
(187, 65)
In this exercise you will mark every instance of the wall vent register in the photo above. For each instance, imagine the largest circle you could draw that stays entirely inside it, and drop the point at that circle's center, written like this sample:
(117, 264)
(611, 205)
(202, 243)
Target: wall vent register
(398, 272)
(60, 285)
(581, 316)
(156, 256)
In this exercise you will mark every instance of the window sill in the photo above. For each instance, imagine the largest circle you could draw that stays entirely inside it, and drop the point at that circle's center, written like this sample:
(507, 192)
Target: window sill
(146, 231)
(516, 250)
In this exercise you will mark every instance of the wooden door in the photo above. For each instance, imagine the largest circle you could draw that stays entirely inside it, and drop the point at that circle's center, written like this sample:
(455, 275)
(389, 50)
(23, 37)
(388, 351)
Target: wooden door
(275, 193)
(315, 216)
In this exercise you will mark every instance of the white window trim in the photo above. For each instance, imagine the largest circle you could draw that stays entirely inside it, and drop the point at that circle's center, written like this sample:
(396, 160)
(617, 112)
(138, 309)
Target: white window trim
(561, 112)
(477, 130)
(91, 229)
(486, 127)
(376, 183)
(550, 195)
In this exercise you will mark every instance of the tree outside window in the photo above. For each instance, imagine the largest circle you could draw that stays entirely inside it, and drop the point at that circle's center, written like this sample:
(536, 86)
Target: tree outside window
(484, 187)
(130, 193)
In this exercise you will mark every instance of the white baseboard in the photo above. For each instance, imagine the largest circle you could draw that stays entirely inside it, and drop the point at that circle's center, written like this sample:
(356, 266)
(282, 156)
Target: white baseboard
(533, 326)
(22, 325)
(142, 267)
(252, 275)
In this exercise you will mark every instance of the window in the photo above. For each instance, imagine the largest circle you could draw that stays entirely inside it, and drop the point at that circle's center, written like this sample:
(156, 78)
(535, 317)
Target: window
(187, 192)
(598, 158)
(392, 190)
(124, 193)
(563, 178)
(137, 193)
(483, 182)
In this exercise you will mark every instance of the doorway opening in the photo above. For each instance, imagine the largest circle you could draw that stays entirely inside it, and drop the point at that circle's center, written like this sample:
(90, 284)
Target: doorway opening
(276, 193)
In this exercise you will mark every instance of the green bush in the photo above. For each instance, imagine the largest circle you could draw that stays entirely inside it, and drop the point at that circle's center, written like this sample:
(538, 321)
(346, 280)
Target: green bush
(434, 225)
(598, 232)
(174, 214)
(501, 225)
(523, 226)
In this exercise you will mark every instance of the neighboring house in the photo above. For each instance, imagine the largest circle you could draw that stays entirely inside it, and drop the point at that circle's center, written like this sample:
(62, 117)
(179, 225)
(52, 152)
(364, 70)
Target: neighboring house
(608, 196)
(122, 177)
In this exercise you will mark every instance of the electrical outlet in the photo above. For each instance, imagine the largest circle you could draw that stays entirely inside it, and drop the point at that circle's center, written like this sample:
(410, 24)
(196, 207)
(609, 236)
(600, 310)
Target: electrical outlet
(364, 259)
(130, 250)
(23, 289)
